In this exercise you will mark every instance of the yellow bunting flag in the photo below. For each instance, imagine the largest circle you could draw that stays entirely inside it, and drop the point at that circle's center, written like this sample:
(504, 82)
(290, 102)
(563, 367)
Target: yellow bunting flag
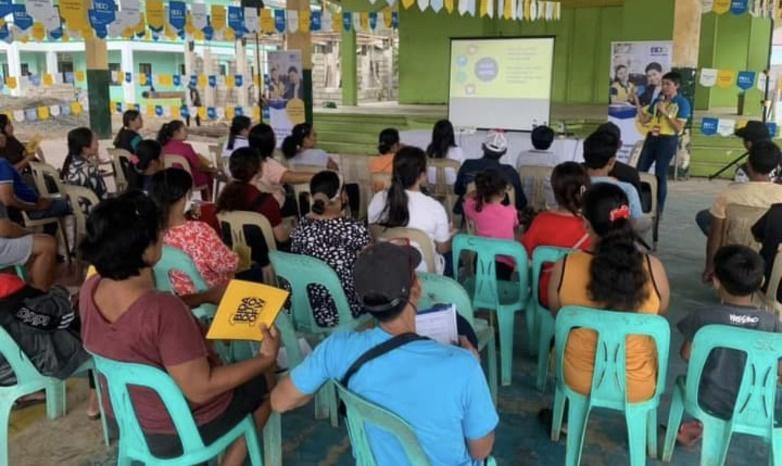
(155, 14)
(304, 20)
(405, 3)
(256, 113)
(150, 111)
(507, 9)
(202, 80)
(10, 81)
(141, 26)
(721, 6)
(189, 28)
(484, 8)
(39, 31)
(174, 109)
(218, 17)
(199, 35)
(230, 81)
(75, 108)
(256, 80)
(448, 7)
(74, 12)
(528, 10)
(79, 75)
(202, 112)
(388, 17)
(48, 79)
(229, 34)
(142, 79)
(363, 21)
(267, 21)
(229, 113)
(166, 80)
(112, 107)
(336, 22)
(65, 37)
(169, 32)
(43, 112)
(726, 78)
(244, 308)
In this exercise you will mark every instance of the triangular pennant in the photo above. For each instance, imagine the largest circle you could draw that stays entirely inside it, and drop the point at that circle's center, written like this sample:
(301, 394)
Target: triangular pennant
(293, 21)
(347, 21)
(708, 77)
(738, 7)
(315, 21)
(726, 127)
(745, 80)
(707, 6)
(279, 20)
(304, 20)
(709, 126)
(721, 6)
(726, 78)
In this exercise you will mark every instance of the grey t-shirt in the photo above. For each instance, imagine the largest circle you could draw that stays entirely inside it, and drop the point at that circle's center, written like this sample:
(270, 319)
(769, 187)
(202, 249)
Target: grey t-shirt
(724, 367)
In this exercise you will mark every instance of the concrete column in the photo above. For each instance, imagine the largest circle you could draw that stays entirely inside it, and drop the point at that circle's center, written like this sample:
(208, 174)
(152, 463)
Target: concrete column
(15, 67)
(209, 92)
(348, 67)
(98, 79)
(51, 62)
(686, 33)
(127, 66)
(242, 69)
(302, 41)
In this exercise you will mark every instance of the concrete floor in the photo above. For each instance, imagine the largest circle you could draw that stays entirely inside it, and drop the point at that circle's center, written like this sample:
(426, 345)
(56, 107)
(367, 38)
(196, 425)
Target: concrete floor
(521, 441)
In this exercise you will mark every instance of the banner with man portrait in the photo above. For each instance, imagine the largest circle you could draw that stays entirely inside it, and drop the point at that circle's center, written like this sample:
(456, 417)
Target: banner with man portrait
(284, 101)
(635, 79)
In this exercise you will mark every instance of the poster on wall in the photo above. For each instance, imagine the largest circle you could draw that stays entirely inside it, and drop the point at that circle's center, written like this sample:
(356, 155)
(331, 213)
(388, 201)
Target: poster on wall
(635, 76)
(284, 92)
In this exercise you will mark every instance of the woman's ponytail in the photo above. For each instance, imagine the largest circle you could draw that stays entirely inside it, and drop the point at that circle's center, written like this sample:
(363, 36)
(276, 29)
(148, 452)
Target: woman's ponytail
(409, 165)
(292, 144)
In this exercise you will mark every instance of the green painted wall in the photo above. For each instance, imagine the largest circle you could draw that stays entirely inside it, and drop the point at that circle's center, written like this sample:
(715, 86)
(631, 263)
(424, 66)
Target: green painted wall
(581, 58)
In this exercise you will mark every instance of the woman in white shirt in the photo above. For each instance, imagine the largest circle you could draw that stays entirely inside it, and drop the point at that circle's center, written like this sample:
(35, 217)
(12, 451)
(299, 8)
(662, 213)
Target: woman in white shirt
(443, 146)
(404, 205)
(237, 136)
(299, 148)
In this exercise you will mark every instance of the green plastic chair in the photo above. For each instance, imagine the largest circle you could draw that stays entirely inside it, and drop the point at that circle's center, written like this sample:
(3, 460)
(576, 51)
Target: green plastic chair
(29, 381)
(300, 271)
(132, 444)
(439, 289)
(361, 412)
(609, 378)
(503, 297)
(539, 319)
(753, 413)
(176, 259)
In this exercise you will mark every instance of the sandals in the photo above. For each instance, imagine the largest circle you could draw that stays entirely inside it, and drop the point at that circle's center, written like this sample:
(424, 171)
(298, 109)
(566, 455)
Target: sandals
(690, 433)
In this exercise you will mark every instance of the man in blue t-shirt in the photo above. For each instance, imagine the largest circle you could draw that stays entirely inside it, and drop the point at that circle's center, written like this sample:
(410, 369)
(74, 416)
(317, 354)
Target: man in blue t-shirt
(440, 390)
(16, 194)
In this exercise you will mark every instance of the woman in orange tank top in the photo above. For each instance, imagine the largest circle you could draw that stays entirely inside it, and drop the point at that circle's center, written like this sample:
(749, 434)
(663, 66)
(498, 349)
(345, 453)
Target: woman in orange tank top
(612, 275)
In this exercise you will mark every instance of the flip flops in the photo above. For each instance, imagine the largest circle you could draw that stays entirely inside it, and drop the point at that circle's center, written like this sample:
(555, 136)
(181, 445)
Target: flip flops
(690, 433)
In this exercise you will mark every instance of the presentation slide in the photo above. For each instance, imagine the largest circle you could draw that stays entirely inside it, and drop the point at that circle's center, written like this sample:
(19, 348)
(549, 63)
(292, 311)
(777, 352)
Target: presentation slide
(501, 83)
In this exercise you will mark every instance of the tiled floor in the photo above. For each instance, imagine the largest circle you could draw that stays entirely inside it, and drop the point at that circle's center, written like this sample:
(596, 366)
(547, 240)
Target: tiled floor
(521, 441)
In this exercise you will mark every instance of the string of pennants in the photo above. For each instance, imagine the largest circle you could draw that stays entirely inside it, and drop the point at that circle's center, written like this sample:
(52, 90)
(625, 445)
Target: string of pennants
(40, 20)
(523, 10)
(744, 80)
(183, 111)
(764, 8)
(727, 127)
(44, 112)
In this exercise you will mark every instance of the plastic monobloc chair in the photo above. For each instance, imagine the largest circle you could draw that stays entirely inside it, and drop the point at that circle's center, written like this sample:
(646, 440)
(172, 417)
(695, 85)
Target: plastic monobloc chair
(754, 410)
(503, 297)
(609, 379)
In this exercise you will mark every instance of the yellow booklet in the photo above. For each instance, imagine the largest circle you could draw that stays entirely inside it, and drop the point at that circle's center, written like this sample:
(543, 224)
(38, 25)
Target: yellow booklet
(244, 307)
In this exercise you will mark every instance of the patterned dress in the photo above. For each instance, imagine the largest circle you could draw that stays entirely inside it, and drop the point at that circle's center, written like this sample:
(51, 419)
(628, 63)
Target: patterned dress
(337, 242)
(214, 260)
(82, 172)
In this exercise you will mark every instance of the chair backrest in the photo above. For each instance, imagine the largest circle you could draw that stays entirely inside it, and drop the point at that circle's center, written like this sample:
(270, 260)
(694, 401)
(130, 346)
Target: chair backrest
(22, 367)
(40, 172)
(300, 272)
(739, 220)
(237, 220)
(635, 153)
(441, 289)
(174, 259)
(306, 168)
(121, 375)
(380, 181)
(487, 290)
(362, 412)
(543, 255)
(535, 177)
(177, 161)
(441, 166)
(117, 156)
(416, 236)
(80, 197)
(609, 379)
(755, 404)
(647, 179)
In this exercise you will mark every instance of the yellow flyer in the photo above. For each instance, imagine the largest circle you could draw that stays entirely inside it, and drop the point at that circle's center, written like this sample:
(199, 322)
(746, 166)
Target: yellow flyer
(245, 306)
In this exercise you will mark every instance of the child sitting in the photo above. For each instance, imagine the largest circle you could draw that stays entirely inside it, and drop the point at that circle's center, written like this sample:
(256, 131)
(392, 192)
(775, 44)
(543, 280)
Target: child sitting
(738, 274)
(491, 218)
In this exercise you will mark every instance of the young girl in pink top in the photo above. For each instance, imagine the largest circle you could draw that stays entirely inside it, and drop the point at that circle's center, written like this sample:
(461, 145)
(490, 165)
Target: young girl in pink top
(172, 137)
(492, 218)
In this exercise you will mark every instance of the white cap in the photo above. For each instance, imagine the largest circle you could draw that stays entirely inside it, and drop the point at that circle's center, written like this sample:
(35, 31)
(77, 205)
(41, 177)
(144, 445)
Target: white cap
(496, 141)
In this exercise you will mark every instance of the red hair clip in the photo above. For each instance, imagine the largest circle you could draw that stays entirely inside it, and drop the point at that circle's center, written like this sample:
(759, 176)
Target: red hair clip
(622, 212)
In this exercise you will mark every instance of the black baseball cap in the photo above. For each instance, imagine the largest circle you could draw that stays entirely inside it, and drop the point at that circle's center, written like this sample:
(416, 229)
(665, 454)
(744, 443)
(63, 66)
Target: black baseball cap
(383, 276)
(754, 131)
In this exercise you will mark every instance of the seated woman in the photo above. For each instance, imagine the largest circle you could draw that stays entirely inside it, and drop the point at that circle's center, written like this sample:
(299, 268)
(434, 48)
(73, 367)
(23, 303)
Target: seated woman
(240, 194)
(126, 319)
(299, 148)
(273, 175)
(614, 275)
(217, 264)
(80, 167)
(443, 146)
(172, 137)
(147, 164)
(127, 137)
(387, 147)
(14, 151)
(328, 235)
(237, 135)
(404, 205)
(564, 226)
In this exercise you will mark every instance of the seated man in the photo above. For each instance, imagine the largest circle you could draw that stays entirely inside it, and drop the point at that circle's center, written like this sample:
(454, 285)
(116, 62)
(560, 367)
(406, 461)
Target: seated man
(621, 170)
(764, 156)
(19, 246)
(542, 139)
(494, 147)
(439, 390)
(753, 132)
(600, 158)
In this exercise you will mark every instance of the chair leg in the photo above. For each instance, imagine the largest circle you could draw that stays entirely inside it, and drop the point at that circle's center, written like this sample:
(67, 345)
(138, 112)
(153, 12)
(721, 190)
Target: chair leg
(533, 324)
(491, 361)
(103, 421)
(272, 441)
(333, 405)
(636, 436)
(716, 440)
(651, 433)
(546, 333)
(505, 319)
(55, 404)
(5, 418)
(122, 457)
(578, 412)
(558, 413)
(251, 438)
(674, 420)
(322, 403)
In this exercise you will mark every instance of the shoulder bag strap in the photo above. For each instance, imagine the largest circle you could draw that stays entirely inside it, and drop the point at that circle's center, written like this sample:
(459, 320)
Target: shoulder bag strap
(377, 351)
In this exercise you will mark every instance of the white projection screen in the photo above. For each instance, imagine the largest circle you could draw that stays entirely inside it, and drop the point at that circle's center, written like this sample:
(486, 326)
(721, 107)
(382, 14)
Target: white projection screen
(502, 83)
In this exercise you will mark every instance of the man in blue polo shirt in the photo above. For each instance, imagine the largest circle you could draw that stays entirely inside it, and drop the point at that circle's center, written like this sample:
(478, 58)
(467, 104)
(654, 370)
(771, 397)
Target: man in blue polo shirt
(440, 390)
(16, 194)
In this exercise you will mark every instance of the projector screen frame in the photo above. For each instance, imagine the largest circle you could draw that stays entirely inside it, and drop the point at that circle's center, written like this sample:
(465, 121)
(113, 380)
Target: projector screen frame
(551, 88)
